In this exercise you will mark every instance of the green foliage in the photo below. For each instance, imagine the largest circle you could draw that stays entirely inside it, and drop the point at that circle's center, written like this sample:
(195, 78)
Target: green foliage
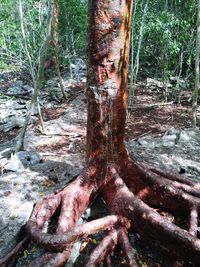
(11, 41)
(169, 31)
(3, 65)
(72, 28)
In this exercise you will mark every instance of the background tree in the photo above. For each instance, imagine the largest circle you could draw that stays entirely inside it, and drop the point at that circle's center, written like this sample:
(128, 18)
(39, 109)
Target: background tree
(36, 74)
(197, 82)
(135, 69)
(54, 45)
(168, 46)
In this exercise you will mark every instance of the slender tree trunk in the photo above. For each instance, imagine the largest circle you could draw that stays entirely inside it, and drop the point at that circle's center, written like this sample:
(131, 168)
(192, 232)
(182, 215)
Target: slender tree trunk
(55, 45)
(178, 92)
(166, 5)
(54, 27)
(130, 97)
(197, 83)
(37, 77)
(137, 60)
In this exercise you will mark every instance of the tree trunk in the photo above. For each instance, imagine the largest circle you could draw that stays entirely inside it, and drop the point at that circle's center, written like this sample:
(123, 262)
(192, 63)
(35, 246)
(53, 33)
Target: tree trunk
(54, 27)
(178, 91)
(108, 47)
(55, 46)
(128, 188)
(197, 83)
(36, 76)
(137, 59)
(130, 97)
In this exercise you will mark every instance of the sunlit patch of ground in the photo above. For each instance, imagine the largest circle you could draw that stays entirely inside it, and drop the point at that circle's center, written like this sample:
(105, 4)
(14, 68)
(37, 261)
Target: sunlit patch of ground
(155, 120)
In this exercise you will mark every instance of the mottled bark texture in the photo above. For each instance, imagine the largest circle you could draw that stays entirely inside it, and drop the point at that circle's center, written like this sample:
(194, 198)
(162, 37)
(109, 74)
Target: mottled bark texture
(130, 190)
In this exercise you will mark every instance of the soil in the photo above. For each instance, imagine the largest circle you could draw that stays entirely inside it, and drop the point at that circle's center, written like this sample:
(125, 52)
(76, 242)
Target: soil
(140, 121)
(155, 120)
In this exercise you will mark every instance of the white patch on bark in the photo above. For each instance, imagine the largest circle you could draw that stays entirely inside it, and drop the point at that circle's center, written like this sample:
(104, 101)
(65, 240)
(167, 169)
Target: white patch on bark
(110, 87)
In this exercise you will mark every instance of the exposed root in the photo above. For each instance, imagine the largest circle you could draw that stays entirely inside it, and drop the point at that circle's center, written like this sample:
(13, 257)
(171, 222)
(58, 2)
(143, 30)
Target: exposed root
(108, 261)
(10, 257)
(164, 191)
(170, 175)
(177, 180)
(127, 248)
(193, 221)
(50, 259)
(149, 223)
(58, 242)
(106, 246)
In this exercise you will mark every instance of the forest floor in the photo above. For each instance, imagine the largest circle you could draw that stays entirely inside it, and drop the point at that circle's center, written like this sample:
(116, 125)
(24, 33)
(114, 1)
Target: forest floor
(148, 114)
(59, 154)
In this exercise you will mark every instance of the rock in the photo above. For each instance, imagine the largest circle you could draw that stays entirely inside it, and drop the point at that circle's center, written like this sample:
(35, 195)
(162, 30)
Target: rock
(11, 122)
(28, 88)
(78, 68)
(28, 158)
(184, 137)
(14, 209)
(156, 83)
(182, 83)
(52, 83)
(172, 131)
(169, 140)
(176, 151)
(12, 114)
(54, 91)
(145, 142)
(14, 164)
(22, 160)
(19, 89)
(58, 172)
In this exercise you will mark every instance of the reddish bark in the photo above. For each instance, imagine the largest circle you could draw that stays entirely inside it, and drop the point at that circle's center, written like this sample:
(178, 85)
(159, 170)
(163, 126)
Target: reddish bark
(55, 23)
(54, 38)
(129, 189)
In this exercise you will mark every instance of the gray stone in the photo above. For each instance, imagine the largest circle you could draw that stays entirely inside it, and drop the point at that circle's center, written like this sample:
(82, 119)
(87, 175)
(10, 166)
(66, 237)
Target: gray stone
(12, 121)
(14, 164)
(19, 89)
(28, 88)
(12, 114)
(182, 83)
(169, 140)
(184, 137)
(156, 83)
(78, 68)
(175, 151)
(28, 158)
(52, 83)
(145, 142)
(22, 160)
(172, 131)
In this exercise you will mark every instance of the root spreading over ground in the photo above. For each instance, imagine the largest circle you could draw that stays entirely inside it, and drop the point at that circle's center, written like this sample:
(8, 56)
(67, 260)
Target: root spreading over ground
(131, 202)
